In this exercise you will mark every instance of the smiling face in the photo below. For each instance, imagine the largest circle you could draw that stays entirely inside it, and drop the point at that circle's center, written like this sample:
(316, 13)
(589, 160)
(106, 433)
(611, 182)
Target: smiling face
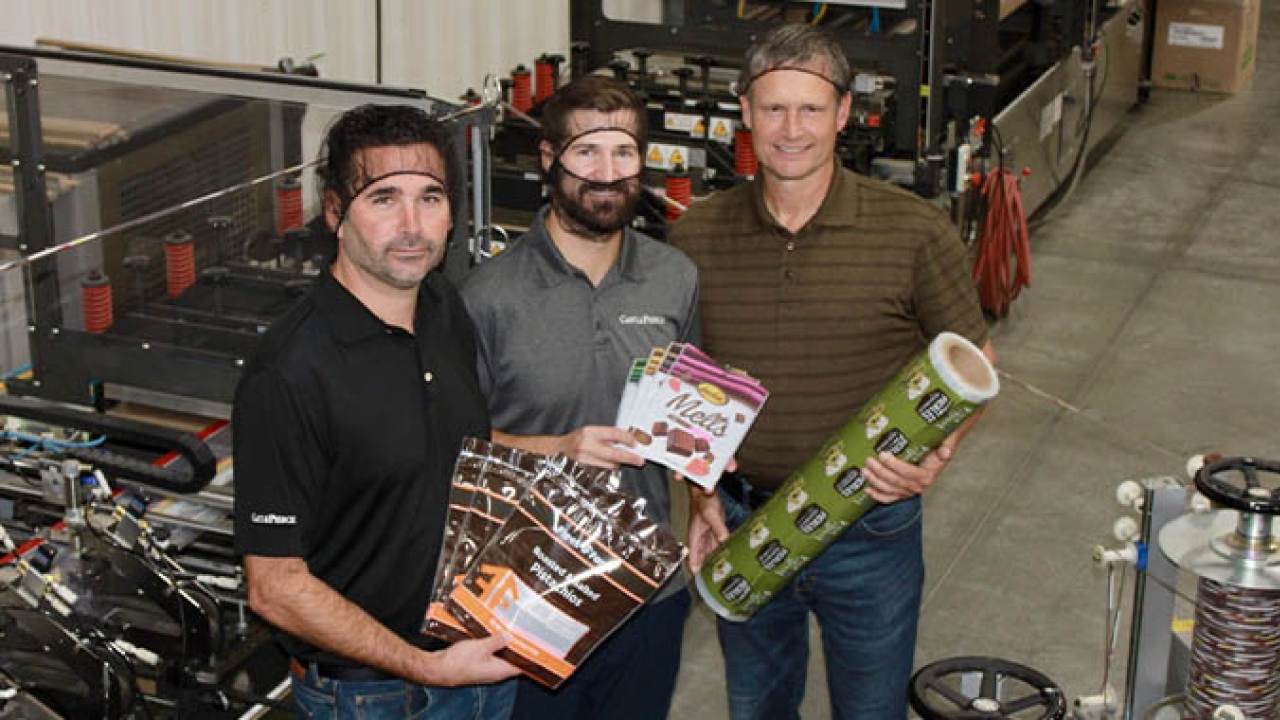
(595, 190)
(395, 230)
(794, 118)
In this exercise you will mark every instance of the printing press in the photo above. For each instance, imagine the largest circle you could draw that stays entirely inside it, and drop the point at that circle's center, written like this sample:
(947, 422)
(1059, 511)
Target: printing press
(152, 226)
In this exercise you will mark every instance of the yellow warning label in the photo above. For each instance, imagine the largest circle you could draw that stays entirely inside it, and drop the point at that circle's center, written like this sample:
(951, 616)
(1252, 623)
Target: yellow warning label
(698, 129)
(676, 158)
(655, 156)
(719, 130)
(1182, 626)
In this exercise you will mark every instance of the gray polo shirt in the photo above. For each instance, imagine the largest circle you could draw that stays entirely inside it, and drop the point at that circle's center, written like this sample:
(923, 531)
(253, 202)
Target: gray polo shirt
(554, 352)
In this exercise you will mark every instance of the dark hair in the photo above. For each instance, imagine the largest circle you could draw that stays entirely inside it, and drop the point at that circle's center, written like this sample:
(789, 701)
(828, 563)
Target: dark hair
(373, 126)
(795, 44)
(591, 92)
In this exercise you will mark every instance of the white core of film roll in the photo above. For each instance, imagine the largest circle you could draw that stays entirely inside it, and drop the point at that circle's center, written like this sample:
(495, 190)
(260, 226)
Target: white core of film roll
(962, 366)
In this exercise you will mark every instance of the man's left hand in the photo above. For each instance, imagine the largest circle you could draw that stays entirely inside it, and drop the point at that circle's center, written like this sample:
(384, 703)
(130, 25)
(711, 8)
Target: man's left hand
(890, 479)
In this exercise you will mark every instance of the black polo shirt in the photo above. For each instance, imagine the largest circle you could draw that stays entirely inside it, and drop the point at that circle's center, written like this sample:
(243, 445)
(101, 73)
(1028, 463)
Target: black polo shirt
(346, 432)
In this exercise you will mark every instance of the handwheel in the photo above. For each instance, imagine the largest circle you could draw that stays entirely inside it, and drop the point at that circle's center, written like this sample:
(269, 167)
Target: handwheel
(973, 688)
(1237, 483)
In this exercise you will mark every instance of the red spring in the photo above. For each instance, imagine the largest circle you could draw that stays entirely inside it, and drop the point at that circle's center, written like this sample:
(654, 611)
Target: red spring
(521, 92)
(544, 80)
(95, 301)
(288, 206)
(180, 264)
(744, 155)
(679, 189)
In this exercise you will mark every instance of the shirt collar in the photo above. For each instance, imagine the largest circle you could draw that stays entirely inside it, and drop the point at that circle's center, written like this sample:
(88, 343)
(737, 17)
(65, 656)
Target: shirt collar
(838, 209)
(553, 269)
(351, 320)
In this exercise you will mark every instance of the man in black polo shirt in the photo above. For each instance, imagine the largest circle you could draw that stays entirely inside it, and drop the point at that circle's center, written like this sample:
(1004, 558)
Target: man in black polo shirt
(347, 423)
(560, 315)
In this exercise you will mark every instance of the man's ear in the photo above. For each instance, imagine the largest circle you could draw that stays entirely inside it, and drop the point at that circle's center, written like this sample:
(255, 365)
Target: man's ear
(332, 207)
(746, 109)
(548, 153)
(842, 110)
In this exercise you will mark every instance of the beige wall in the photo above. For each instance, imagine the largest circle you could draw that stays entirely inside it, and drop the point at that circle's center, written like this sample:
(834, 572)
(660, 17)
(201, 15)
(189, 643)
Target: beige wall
(444, 46)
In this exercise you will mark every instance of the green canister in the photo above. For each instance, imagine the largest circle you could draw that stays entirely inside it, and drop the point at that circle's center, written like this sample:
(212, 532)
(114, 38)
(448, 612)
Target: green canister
(924, 403)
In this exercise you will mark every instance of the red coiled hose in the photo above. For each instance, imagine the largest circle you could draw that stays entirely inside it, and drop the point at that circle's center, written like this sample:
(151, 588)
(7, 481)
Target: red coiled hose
(1003, 264)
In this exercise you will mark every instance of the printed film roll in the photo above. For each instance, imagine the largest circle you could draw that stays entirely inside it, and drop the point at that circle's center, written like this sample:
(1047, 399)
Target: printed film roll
(925, 402)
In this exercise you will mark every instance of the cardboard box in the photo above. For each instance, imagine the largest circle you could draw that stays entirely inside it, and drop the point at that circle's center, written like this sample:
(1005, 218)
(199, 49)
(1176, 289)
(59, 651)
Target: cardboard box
(1208, 45)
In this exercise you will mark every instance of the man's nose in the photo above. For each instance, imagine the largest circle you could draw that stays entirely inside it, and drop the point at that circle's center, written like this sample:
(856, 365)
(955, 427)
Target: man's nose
(606, 170)
(791, 125)
(412, 216)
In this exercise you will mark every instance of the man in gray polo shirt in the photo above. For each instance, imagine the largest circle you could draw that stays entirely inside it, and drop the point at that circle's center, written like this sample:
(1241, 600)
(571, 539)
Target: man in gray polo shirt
(559, 317)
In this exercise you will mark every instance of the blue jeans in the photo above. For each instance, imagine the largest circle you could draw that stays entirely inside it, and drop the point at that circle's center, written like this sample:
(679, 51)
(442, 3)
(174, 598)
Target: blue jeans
(323, 699)
(630, 676)
(865, 590)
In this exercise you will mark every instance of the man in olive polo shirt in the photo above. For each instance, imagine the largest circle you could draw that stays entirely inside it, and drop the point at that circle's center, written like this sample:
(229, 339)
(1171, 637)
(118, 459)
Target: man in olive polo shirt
(560, 315)
(823, 283)
(347, 423)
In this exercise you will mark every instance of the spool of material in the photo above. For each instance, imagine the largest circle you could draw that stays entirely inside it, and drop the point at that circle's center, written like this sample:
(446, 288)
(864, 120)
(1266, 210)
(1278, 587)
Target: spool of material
(95, 301)
(680, 189)
(544, 79)
(288, 205)
(521, 89)
(1235, 652)
(744, 154)
(180, 262)
(925, 402)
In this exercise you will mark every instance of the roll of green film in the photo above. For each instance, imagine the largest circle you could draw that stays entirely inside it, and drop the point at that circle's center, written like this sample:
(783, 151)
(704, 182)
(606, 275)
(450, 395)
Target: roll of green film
(925, 402)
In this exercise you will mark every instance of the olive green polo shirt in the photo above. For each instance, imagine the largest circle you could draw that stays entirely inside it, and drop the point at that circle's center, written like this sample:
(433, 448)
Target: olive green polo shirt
(827, 315)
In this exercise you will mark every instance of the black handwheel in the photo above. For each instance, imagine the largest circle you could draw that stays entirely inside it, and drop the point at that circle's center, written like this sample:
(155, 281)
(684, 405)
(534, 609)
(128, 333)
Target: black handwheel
(1238, 483)
(977, 688)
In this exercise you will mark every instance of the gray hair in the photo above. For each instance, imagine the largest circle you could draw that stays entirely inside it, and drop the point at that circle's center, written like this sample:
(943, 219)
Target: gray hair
(795, 44)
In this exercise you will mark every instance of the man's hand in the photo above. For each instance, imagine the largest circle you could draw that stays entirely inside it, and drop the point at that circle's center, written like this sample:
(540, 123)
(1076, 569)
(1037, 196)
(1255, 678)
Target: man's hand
(707, 529)
(470, 662)
(596, 445)
(890, 479)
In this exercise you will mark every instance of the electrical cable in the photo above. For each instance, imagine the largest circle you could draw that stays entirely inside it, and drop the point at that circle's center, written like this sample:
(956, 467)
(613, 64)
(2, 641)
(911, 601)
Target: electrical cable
(1003, 264)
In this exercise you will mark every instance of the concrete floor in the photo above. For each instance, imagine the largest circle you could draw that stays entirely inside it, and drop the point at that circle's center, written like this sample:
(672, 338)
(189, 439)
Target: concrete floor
(1153, 311)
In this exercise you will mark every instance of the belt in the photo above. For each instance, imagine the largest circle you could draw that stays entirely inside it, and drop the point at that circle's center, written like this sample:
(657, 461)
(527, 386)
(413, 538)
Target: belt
(736, 487)
(341, 673)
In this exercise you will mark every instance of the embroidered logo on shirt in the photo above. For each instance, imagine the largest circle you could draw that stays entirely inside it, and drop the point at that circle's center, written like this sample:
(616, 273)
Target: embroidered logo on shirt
(272, 519)
(642, 320)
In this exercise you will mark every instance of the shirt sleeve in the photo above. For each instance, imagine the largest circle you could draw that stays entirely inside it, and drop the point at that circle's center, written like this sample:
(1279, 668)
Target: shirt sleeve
(279, 468)
(475, 313)
(944, 295)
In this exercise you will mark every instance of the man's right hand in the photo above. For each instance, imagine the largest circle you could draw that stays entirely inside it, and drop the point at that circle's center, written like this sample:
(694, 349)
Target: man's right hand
(470, 662)
(597, 445)
(707, 529)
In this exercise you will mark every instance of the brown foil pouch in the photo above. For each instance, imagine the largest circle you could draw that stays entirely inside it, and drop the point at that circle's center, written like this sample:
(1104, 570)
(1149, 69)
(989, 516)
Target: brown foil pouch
(572, 561)
(488, 480)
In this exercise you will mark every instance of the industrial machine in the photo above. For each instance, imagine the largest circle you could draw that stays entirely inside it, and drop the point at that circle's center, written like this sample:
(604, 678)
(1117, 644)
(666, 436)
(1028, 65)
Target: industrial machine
(177, 225)
(1219, 534)
(155, 218)
(943, 92)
